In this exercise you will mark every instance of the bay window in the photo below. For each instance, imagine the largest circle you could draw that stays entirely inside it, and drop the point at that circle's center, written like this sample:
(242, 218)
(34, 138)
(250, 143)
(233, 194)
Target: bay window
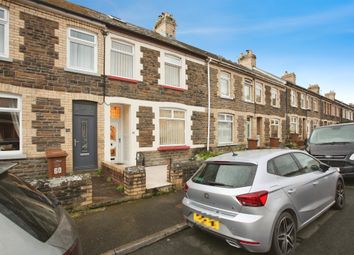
(10, 124)
(225, 128)
(172, 127)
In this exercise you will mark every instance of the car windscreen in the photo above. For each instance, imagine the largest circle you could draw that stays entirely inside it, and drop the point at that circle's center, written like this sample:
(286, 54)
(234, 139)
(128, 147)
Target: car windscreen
(226, 175)
(27, 208)
(333, 134)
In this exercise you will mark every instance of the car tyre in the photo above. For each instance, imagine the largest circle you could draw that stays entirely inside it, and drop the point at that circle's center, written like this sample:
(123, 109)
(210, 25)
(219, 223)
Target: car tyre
(340, 196)
(284, 235)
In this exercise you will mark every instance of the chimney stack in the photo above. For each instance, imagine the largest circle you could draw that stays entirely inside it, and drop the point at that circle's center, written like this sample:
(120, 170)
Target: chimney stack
(290, 77)
(166, 25)
(247, 60)
(314, 88)
(331, 95)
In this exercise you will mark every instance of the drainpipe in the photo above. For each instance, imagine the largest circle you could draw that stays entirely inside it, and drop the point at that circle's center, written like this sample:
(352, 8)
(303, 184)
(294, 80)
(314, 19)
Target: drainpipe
(104, 33)
(208, 136)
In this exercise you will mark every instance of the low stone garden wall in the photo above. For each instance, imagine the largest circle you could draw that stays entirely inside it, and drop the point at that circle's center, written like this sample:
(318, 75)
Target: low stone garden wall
(71, 191)
(179, 172)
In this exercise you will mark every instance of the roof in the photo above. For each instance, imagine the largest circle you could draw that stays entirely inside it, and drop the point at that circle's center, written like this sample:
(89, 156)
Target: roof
(250, 156)
(5, 166)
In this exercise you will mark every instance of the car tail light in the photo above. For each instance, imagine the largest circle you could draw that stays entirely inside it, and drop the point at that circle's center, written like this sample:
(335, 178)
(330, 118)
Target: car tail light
(185, 188)
(74, 249)
(255, 199)
(249, 243)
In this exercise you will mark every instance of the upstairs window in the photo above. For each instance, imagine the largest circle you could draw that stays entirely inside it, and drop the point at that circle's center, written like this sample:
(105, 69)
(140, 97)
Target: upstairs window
(173, 66)
(10, 124)
(225, 128)
(248, 90)
(172, 127)
(293, 98)
(315, 105)
(302, 101)
(308, 102)
(82, 50)
(259, 92)
(225, 82)
(122, 56)
(274, 100)
(4, 33)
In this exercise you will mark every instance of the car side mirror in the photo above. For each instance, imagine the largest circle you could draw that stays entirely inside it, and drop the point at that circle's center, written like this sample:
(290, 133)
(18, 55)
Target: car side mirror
(324, 167)
(315, 168)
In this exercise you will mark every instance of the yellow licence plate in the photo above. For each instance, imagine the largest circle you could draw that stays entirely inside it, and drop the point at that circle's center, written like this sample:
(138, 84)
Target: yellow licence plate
(206, 221)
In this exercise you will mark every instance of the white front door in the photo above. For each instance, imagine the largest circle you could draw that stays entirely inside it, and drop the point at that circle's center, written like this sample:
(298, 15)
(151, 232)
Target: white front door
(116, 135)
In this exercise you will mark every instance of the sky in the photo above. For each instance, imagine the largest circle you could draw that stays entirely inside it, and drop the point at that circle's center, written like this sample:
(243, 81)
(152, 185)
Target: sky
(314, 39)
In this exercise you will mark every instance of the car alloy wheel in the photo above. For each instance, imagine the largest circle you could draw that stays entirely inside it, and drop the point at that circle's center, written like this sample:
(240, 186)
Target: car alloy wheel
(340, 196)
(284, 237)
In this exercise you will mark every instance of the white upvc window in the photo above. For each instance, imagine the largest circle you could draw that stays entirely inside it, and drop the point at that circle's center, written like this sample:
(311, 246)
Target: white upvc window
(259, 93)
(293, 98)
(343, 113)
(173, 66)
(225, 128)
(172, 126)
(274, 128)
(274, 97)
(248, 127)
(10, 125)
(248, 90)
(225, 84)
(302, 101)
(4, 32)
(122, 59)
(333, 110)
(308, 102)
(315, 105)
(82, 50)
(294, 125)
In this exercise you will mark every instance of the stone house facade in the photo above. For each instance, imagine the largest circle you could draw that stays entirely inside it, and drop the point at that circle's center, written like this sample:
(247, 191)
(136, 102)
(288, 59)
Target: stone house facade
(104, 90)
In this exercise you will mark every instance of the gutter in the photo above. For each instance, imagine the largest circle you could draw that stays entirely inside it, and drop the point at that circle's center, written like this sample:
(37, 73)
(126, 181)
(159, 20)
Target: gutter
(208, 60)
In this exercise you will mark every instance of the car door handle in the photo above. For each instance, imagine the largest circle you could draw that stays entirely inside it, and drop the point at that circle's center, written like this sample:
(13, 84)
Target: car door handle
(291, 191)
(315, 183)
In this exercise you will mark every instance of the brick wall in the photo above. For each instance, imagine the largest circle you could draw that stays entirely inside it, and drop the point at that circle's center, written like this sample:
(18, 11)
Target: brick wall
(48, 123)
(30, 169)
(145, 126)
(200, 128)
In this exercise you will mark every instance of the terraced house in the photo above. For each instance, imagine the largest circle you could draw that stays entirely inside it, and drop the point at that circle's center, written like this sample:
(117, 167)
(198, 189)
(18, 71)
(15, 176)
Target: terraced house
(112, 94)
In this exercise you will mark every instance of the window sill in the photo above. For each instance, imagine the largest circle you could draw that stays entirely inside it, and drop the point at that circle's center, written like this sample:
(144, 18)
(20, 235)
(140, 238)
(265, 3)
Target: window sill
(13, 156)
(276, 106)
(118, 78)
(260, 103)
(226, 144)
(173, 148)
(72, 70)
(6, 59)
(227, 97)
(248, 101)
(173, 88)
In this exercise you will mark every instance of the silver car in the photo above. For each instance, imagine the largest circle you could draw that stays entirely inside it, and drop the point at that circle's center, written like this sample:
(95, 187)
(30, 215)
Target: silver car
(258, 200)
(31, 223)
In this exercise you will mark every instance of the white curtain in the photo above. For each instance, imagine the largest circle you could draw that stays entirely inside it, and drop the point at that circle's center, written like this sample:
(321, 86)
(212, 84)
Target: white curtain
(225, 132)
(121, 64)
(82, 56)
(172, 132)
(172, 74)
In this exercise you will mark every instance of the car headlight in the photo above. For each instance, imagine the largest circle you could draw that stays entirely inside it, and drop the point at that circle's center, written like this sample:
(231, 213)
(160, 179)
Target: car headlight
(352, 157)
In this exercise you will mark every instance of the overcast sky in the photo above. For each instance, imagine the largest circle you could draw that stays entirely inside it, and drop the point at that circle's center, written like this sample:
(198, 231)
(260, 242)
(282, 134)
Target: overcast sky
(314, 39)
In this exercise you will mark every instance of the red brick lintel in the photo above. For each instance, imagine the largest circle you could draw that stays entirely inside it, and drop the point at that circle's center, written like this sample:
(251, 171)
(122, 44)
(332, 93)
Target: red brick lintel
(173, 148)
(118, 78)
(172, 87)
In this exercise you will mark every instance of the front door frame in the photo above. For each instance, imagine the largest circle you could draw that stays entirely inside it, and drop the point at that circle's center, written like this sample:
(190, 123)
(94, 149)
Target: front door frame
(88, 109)
(119, 139)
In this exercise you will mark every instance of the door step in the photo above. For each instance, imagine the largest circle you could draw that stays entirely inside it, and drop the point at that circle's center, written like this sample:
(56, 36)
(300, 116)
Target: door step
(161, 189)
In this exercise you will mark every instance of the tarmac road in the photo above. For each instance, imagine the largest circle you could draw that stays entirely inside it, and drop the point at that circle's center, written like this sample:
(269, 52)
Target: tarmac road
(331, 234)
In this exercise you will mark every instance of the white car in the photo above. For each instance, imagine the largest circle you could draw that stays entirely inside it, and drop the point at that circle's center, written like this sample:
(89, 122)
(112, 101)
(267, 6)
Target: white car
(259, 199)
(30, 222)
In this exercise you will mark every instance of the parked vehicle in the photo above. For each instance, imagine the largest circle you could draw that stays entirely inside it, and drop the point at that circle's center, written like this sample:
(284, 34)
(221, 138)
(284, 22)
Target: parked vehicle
(30, 222)
(258, 200)
(334, 145)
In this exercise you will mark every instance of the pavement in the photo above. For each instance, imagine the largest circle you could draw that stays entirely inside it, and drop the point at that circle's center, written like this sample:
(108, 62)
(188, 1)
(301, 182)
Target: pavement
(130, 225)
(156, 226)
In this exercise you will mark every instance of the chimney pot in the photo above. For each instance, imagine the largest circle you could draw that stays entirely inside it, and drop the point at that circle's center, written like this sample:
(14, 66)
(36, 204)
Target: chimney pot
(290, 77)
(248, 60)
(166, 25)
